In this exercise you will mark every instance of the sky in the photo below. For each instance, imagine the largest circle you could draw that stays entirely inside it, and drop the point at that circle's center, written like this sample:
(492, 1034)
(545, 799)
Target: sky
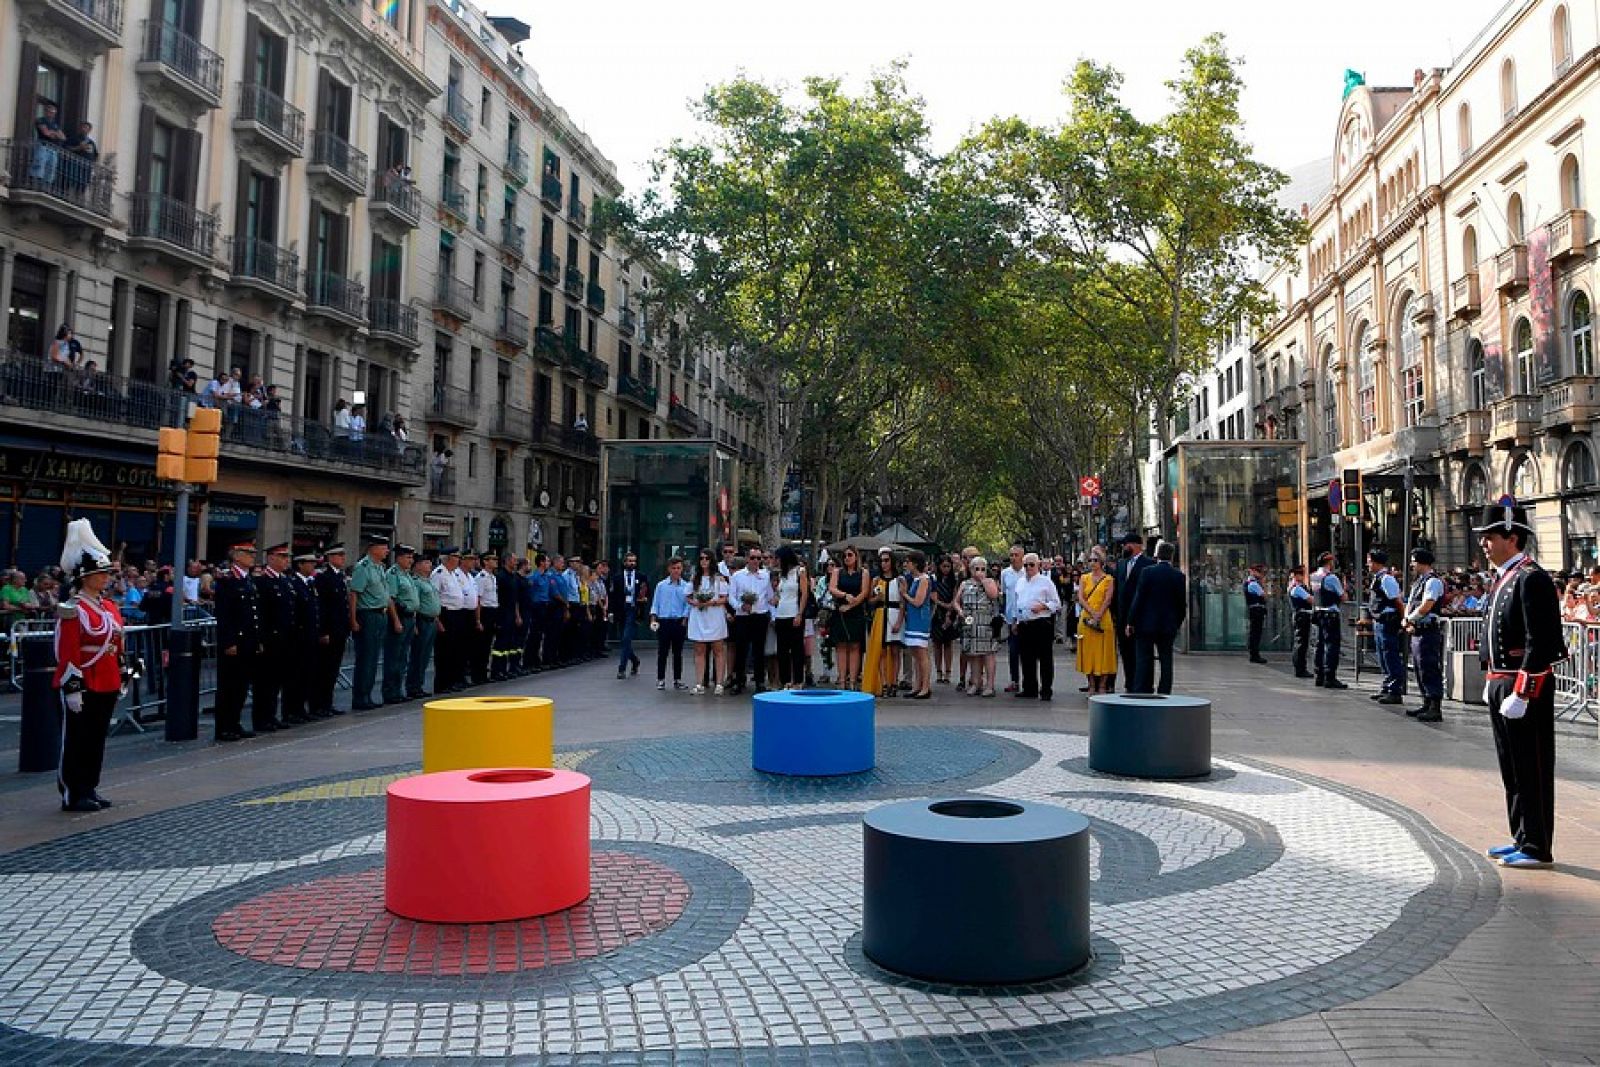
(626, 71)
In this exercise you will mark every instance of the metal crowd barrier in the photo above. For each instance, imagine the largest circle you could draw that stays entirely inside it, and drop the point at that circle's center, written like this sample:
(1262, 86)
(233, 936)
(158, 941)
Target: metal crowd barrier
(1577, 676)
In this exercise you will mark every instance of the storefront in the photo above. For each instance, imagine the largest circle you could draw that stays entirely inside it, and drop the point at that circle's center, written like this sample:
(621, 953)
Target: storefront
(376, 522)
(438, 531)
(317, 525)
(230, 520)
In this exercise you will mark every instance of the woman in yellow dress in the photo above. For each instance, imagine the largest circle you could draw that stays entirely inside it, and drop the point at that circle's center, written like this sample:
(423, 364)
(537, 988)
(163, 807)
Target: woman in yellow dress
(878, 649)
(1097, 639)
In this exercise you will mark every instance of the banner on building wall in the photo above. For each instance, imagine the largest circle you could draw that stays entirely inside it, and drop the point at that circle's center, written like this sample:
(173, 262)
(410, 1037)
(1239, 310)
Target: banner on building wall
(1542, 308)
(1494, 353)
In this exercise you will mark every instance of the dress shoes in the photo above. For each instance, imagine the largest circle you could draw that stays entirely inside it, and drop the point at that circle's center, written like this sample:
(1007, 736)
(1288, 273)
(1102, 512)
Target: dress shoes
(82, 804)
(1523, 860)
(1391, 698)
(1334, 683)
(100, 800)
(1304, 674)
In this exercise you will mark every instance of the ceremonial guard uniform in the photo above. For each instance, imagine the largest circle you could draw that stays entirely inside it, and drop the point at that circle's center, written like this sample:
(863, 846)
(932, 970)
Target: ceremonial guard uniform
(275, 597)
(425, 632)
(1329, 591)
(397, 639)
(1427, 639)
(238, 641)
(88, 675)
(305, 643)
(1255, 605)
(333, 617)
(1301, 604)
(372, 610)
(1519, 648)
(1386, 610)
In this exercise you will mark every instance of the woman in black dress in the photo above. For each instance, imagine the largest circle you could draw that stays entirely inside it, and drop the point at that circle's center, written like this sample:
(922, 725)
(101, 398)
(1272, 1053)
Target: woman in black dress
(946, 618)
(849, 589)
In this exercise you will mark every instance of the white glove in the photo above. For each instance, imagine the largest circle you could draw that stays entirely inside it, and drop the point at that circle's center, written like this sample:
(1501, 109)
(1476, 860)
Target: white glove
(1486, 692)
(74, 701)
(654, 626)
(1513, 707)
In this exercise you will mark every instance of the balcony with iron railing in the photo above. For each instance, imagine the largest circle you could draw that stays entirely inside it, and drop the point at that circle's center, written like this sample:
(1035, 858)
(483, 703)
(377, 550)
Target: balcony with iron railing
(550, 190)
(93, 25)
(63, 183)
(394, 321)
(702, 428)
(516, 165)
(442, 484)
(512, 424)
(566, 438)
(595, 297)
(171, 227)
(549, 266)
(577, 214)
(682, 416)
(272, 121)
(453, 297)
(336, 297)
(31, 390)
(573, 282)
(547, 343)
(396, 199)
(453, 406)
(453, 198)
(512, 327)
(627, 321)
(632, 389)
(596, 371)
(505, 494)
(182, 63)
(265, 268)
(458, 110)
(338, 160)
(513, 238)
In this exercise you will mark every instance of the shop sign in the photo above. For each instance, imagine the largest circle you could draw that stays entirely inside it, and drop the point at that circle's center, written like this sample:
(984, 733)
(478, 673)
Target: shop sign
(377, 516)
(436, 525)
(499, 535)
(52, 469)
(230, 517)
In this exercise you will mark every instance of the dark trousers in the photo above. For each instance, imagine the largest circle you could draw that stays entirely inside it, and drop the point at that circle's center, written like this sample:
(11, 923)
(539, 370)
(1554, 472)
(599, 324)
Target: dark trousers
(369, 649)
(330, 657)
(533, 643)
(1386, 638)
(1258, 620)
(83, 744)
(670, 635)
(1036, 650)
(1527, 751)
(749, 634)
(266, 685)
(482, 644)
(627, 622)
(396, 649)
(554, 619)
(1302, 639)
(791, 650)
(233, 685)
(1013, 654)
(1329, 633)
(450, 653)
(423, 635)
(298, 684)
(1149, 650)
(1427, 652)
(1128, 653)
(506, 644)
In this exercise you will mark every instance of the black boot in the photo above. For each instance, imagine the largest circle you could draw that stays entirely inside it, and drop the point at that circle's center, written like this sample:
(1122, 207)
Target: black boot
(1334, 683)
(1430, 711)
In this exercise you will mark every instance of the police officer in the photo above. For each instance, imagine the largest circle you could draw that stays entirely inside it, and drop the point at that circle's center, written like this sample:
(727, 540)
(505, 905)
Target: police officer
(88, 674)
(275, 597)
(1255, 603)
(1520, 646)
(1329, 591)
(447, 658)
(426, 631)
(488, 590)
(1301, 603)
(306, 639)
(470, 671)
(397, 641)
(1386, 610)
(238, 640)
(333, 617)
(371, 616)
(1427, 641)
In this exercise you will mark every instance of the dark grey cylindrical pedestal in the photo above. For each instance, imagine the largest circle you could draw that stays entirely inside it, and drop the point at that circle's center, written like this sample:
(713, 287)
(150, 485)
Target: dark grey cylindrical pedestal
(1147, 735)
(976, 890)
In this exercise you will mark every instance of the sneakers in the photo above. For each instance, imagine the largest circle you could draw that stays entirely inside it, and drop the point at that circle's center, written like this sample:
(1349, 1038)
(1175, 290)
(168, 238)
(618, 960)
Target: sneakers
(698, 691)
(718, 691)
(1500, 850)
(679, 685)
(661, 685)
(1523, 860)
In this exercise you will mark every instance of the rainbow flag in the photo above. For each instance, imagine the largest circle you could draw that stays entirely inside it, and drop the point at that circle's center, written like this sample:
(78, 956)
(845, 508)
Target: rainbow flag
(390, 10)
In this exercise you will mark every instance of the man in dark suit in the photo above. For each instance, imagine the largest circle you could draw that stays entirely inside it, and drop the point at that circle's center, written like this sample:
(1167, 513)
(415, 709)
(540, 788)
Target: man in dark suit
(238, 641)
(1519, 648)
(1133, 564)
(304, 642)
(333, 621)
(1156, 614)
(628, 596)
(276, 599)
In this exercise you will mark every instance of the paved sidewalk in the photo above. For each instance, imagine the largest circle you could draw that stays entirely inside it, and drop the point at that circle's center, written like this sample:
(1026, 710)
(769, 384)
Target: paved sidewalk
(1338, 839)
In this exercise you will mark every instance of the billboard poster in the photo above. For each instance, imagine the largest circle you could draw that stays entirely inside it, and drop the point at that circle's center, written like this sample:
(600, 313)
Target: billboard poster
(1542, 308)
(1489, 333)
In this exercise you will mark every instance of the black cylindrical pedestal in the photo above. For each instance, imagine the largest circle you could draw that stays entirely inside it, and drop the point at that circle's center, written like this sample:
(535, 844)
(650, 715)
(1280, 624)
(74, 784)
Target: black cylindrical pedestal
(183, 683)
(1149, 735)
(40, 746)
(976, 890)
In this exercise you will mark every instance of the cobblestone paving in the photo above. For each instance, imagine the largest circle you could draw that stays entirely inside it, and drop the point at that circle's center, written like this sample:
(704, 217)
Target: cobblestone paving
(1247, 898)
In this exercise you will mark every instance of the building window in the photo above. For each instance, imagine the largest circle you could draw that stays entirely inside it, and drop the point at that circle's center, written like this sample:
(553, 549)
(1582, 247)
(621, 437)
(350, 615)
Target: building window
(1522, 345)
(1577, 467)
(1412, 396)
(1366, 385)
(1508, 90)
(389, 11)
(1475, 487)
(1582, 336)
(1571, 184)
(1330, 408)
(1469, 248)
(1464, 131)
(1561, 41)
(1524, 478)
(1478, 375)
(1514, 221)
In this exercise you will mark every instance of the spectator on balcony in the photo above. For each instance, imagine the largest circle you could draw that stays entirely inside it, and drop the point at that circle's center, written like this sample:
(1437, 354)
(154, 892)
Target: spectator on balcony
(48, 142)
(581, 423)
(358, 422)
(92, 383)
(232, 391)
(341, 418)
(441, 467)
(401, 435)
(211, 395)
(85, 153)
(394, 176)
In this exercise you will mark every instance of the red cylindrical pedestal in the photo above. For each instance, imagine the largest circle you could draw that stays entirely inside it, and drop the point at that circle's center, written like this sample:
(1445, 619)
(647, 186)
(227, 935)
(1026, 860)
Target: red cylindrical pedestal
(487, 845)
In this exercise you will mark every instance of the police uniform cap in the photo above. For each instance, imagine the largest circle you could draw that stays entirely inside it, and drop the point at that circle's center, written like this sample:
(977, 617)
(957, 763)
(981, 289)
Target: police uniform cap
(1378, 555)
(404, 550)
(336, 550)
(1421, 555)
(308, 557)
(449, 550)
(376, 539)
(281, 547)
(469, 554)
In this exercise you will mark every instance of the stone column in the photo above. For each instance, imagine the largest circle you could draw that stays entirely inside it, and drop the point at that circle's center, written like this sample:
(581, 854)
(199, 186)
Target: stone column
(8, 262)
(166, 344)
(122, 327)
(55, 300)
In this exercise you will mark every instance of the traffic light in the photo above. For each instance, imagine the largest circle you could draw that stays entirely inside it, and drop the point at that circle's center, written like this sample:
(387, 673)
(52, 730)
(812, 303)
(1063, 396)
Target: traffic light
(204, 446)
(169, 458)
(1352, 493)
(1288, 507)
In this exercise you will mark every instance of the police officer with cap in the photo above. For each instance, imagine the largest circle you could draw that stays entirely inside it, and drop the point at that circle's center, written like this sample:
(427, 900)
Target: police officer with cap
(276, 599)
(371, 617)
(1520, 646)
(1329, 591)
(448, 658)
(333, 621)
(1301, 605)
(1385, 609)
(1255, 603)
(238, 641)
(397, 640)
(1427, 640)
(305, 642)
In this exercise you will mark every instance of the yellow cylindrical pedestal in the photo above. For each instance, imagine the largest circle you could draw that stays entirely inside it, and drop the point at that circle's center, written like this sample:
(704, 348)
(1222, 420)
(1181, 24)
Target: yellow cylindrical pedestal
(469, 733)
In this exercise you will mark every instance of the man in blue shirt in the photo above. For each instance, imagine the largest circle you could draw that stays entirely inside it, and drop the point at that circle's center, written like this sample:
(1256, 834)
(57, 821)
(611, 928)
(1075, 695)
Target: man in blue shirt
(1427, 640)
(1255, 604)
(1329, 620)
(1301, 603)
(539, 615)
(1386, 610)
(669, 617)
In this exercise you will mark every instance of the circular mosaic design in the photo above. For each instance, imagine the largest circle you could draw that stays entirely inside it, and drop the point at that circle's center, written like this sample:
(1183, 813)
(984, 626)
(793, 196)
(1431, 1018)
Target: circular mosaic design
(1217, 905)
(339, 923)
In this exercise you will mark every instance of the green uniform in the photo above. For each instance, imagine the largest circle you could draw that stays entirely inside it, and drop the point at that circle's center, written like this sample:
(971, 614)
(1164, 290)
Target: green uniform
(370, 585)
(427, 598)
(403, 589)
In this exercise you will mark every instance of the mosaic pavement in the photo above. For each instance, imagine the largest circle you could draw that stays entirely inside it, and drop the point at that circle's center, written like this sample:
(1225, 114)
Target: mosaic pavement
(724, 925)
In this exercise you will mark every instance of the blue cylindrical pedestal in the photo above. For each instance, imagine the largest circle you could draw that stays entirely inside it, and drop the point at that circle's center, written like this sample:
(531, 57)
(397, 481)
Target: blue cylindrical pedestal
(813, 732)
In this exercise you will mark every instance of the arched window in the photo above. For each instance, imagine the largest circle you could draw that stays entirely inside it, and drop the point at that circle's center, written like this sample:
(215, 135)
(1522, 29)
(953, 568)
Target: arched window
(1478, 372)
(1561, 41)
(1522, 346)
(1508, 90)
(1581, 322)
(1577, 467)
(1366, 385)
(1464, 130)
(1330, 405)
(1514, 222)
(1524, 478)
(1475, 488)
(1411, 389)
(1571, 184)
(1469, 248)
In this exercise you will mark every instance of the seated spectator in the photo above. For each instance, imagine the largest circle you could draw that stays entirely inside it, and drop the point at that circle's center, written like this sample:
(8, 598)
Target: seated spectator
(17, 601)
(46, 592)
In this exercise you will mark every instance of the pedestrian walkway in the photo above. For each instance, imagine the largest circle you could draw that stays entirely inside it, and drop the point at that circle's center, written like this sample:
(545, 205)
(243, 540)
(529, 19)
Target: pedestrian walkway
(1319, 899)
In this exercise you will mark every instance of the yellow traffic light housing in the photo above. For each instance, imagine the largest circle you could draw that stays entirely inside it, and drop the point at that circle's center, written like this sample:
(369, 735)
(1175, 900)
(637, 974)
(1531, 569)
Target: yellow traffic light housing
(203, 447)
(170, 457)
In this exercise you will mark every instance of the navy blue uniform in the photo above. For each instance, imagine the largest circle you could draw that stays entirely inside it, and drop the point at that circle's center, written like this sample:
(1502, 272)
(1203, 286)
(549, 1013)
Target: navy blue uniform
(238, 647)
(1255, 606)
(1330, 626)
(1383, 606)
(1301, 602)
(333, 620)
(304, 648)
(1427, 639)
(275, 596)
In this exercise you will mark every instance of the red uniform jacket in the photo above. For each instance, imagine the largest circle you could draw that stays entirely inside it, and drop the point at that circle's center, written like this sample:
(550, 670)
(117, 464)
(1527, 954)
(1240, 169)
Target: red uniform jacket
(89, 637)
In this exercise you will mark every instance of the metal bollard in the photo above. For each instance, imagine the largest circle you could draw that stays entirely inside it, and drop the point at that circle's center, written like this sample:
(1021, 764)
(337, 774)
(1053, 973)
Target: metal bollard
(40, 748)
(183, 683)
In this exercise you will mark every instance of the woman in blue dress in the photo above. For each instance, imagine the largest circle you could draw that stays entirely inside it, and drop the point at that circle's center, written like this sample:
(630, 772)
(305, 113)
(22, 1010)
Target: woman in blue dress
(916, 595)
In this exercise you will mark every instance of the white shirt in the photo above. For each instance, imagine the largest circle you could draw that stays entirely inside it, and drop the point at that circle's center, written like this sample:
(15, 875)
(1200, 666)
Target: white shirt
(469, 589)
(789, 594)
(1029, 592)
(742, 582)
(488, 591)
(1008, 583)
(191, 590)
(444, 583)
